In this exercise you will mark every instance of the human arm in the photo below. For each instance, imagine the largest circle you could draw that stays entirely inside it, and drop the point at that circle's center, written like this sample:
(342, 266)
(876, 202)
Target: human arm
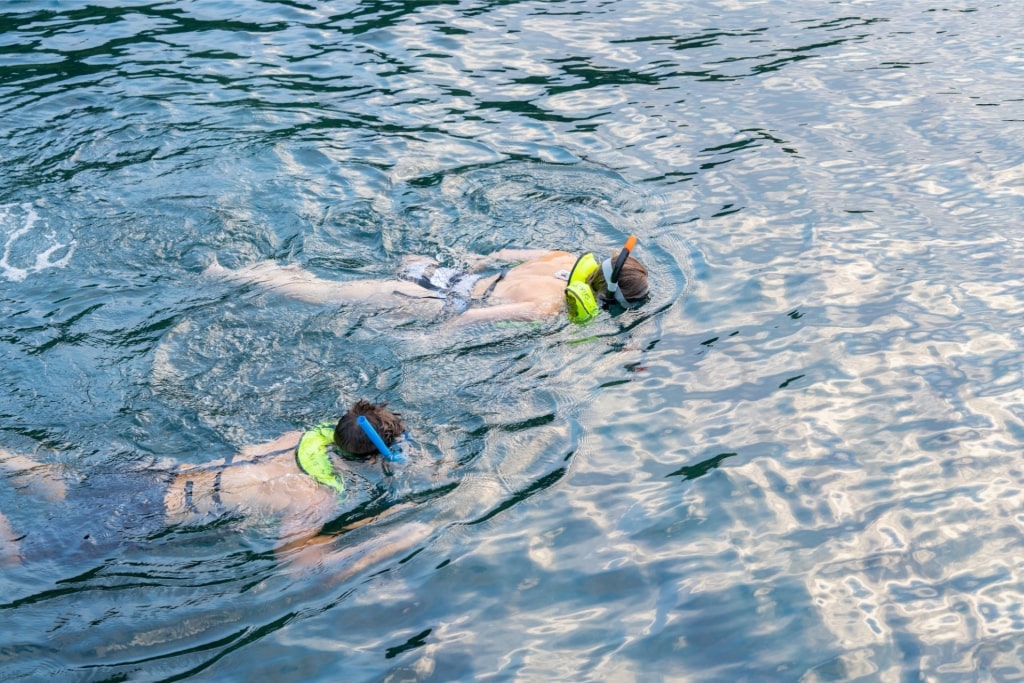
(506, 256)
(321, 552)
(288, 441)
(522, 312)
(345, 563)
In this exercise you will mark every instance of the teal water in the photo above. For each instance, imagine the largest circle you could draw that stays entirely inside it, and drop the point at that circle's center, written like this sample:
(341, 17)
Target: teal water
(799, 462)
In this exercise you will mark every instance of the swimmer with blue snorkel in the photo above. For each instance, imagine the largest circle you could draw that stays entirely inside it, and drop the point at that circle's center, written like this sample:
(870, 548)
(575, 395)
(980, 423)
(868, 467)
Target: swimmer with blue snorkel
(525, 285)
(297, 481)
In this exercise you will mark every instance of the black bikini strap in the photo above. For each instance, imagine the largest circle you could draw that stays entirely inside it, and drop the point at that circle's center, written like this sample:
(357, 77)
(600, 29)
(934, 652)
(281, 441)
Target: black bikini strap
(216, 487)
(189, 503)
(490, 287)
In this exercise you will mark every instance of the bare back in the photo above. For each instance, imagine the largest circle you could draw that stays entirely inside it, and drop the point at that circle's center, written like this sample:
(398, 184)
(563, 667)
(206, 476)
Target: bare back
(262, 483)
(530, 290)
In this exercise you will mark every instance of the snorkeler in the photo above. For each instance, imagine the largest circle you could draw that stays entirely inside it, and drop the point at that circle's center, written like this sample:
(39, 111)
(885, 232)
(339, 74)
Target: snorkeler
(523, 285)
(294, 482)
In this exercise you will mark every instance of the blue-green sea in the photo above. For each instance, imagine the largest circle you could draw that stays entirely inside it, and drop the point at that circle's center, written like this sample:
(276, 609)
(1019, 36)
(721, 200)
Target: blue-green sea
(801, 460)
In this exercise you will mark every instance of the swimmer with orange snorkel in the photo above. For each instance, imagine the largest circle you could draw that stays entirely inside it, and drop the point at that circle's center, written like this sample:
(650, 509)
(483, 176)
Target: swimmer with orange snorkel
(509, 285)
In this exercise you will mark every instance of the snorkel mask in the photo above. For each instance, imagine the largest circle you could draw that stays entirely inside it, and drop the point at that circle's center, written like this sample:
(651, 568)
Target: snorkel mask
(579, 295)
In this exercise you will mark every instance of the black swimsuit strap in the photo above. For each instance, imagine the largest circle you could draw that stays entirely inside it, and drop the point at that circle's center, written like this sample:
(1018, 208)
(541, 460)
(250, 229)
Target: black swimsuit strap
(490, 287)
(424, 279)
(190, 504)
(216, 488)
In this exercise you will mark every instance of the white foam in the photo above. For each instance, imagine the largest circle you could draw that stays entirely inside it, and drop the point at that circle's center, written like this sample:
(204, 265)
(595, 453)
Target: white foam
(20, 222)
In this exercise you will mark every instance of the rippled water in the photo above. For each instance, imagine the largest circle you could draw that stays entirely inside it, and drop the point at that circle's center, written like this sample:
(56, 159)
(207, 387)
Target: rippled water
(800, 462)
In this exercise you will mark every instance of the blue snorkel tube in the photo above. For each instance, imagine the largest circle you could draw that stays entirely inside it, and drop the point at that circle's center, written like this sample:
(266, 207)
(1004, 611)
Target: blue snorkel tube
(372, 434)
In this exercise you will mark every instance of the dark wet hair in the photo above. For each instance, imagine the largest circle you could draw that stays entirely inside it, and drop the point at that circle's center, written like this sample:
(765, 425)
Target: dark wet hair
(351, 438)
(632, 281)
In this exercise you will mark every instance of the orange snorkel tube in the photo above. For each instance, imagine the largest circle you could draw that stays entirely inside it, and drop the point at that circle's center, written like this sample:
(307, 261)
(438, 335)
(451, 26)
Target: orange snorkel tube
(611, 272)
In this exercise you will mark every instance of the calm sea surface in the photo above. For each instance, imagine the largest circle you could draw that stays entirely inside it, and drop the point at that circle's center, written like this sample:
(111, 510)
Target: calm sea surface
(801, 461)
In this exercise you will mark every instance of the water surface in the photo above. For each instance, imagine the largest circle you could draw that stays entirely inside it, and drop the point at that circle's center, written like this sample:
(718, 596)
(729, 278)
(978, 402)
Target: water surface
(799, 461)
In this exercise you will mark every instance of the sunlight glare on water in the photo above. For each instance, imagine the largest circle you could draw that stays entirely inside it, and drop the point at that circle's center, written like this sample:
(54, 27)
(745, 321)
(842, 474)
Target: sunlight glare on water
(798, 461)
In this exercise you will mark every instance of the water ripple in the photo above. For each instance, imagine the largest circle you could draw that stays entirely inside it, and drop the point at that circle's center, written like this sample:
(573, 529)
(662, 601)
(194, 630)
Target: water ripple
(799, 461)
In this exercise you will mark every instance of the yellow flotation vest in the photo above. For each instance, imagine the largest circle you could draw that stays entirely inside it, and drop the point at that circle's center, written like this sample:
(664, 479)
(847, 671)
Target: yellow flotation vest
(580, 300)
(314, 460)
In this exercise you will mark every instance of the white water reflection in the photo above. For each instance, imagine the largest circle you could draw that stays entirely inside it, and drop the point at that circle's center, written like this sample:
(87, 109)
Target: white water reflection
(30, 245)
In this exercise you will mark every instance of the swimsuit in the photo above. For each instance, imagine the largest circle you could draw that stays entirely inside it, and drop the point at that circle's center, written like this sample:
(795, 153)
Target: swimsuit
(214, 493)
(219, 508)
(455, 285)
(128, 509)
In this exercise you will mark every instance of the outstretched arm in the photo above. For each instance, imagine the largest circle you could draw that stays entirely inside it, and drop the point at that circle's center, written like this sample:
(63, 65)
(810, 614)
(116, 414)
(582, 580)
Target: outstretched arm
(506, 256)
(288, 441)
(341, 565)
(522, 312)
(320, 552)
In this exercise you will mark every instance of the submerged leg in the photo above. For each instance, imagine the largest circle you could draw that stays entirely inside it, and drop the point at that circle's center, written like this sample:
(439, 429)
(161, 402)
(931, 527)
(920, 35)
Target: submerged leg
(41, 479)
(298, 283)
(10, 549)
